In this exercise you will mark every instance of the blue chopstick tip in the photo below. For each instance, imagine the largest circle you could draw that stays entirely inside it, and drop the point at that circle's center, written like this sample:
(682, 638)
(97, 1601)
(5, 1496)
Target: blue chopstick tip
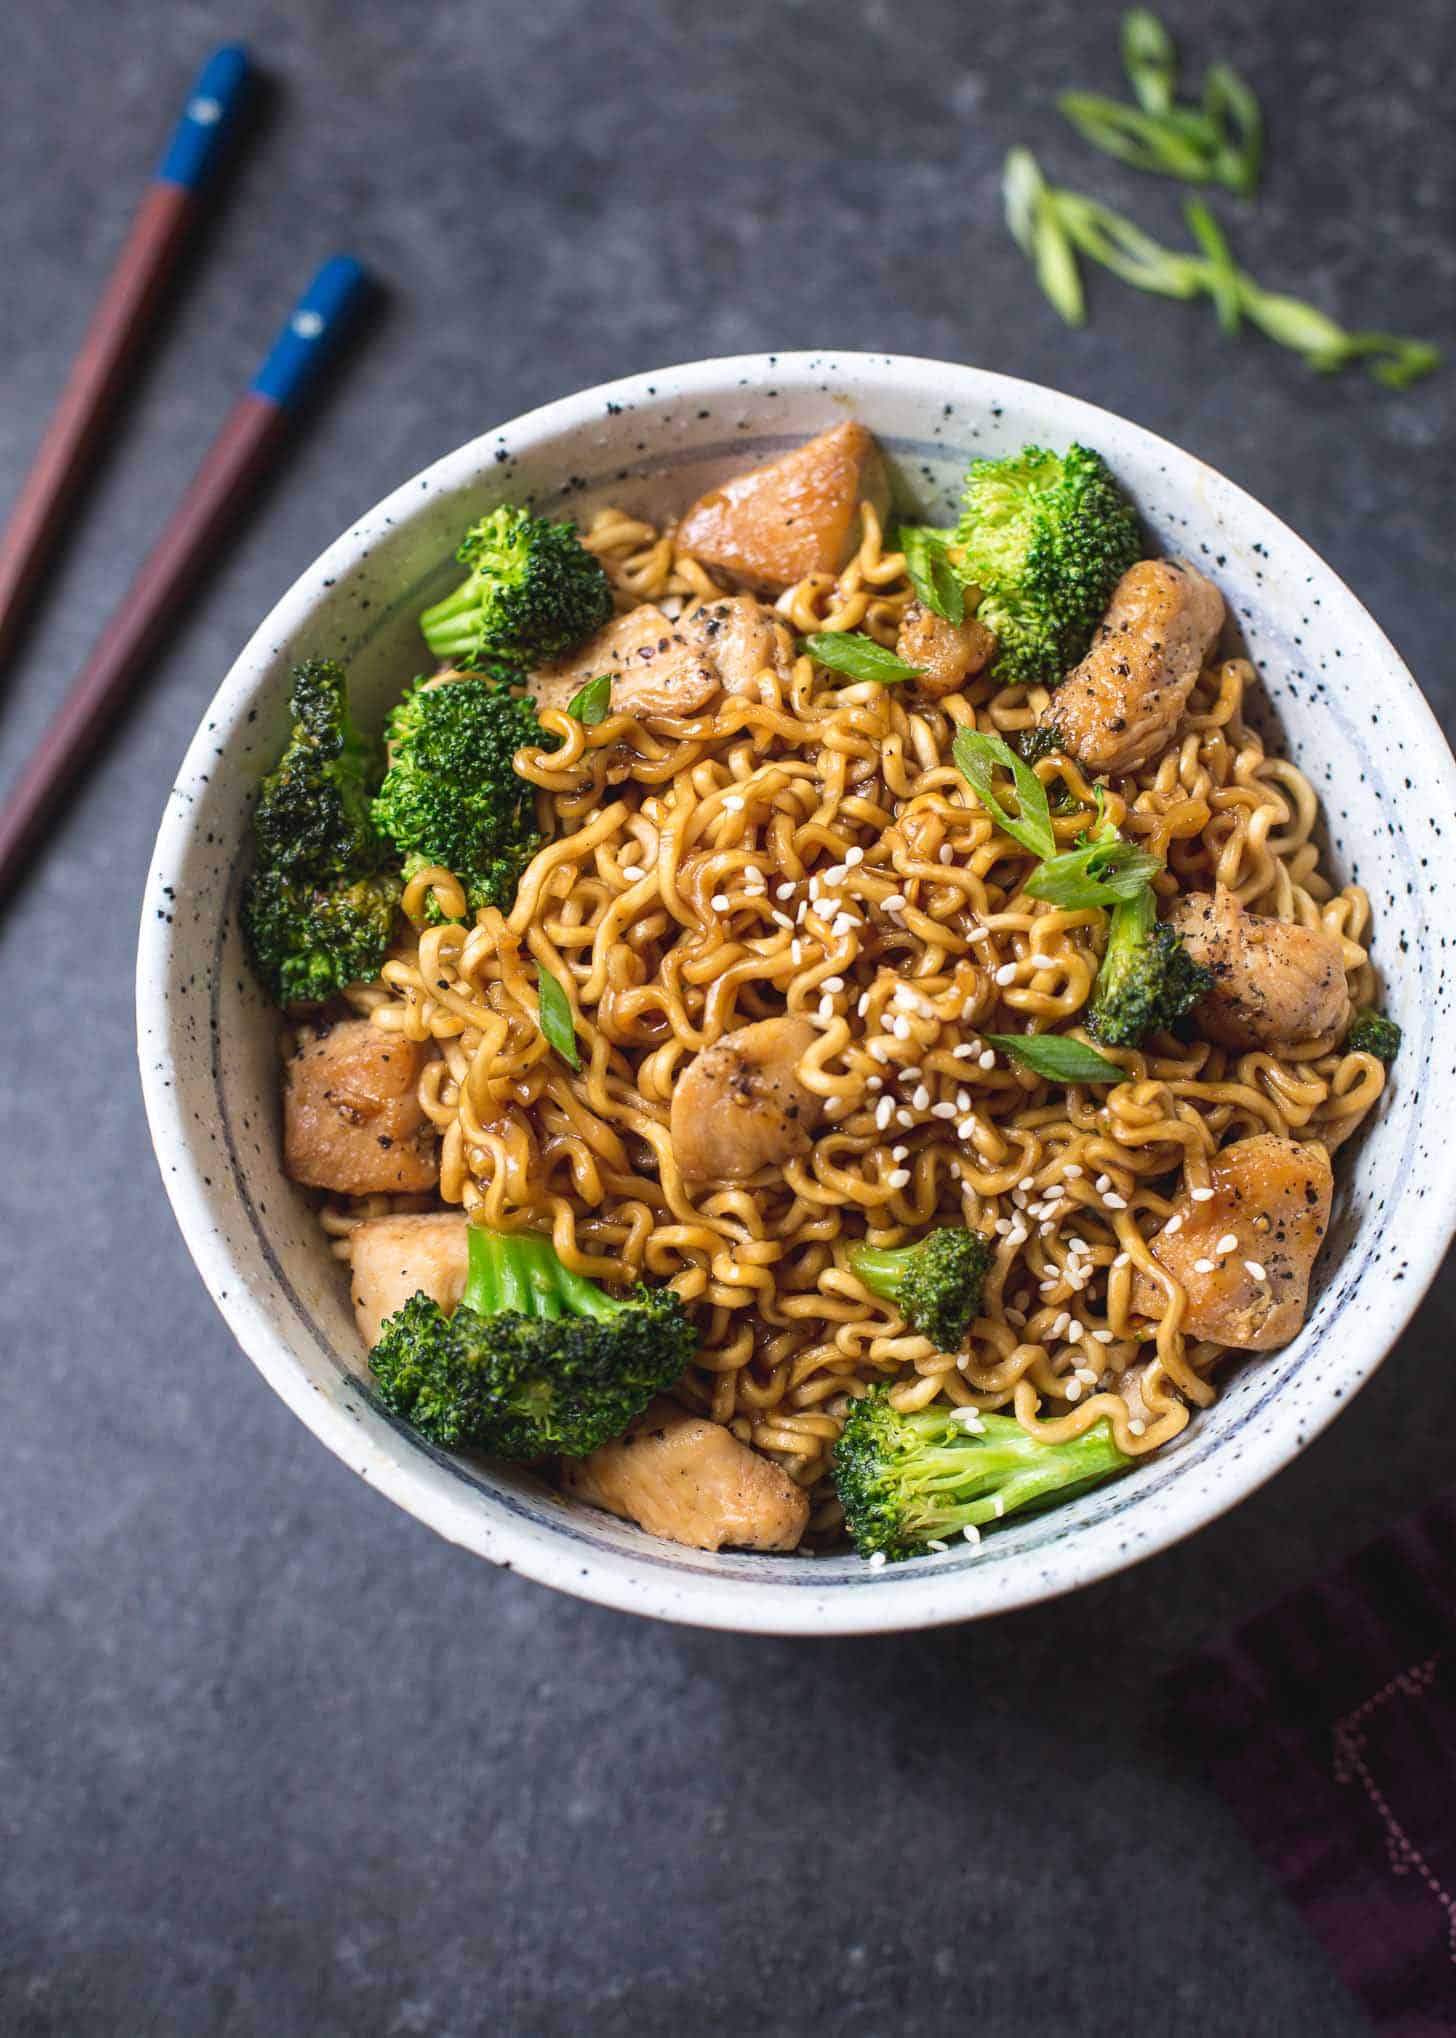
(217, 92)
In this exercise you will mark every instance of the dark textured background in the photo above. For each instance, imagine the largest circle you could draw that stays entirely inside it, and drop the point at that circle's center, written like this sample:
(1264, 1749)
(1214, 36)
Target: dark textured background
(272, 1758)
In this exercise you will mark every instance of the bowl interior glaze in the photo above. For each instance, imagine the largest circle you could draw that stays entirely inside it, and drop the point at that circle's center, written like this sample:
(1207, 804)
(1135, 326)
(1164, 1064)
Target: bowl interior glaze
(208, 1042)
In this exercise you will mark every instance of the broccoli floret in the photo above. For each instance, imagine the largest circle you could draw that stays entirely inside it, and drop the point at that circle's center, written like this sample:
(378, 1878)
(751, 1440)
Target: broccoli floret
(532, 593)
(1372, 1033)
(318, 909)
(535, 1360)
(1046, 538)
(935, 1283)
(1147, 979)
(1036, 743)
(452, 796)
(905, 1478)
(312, 813)
(308, 940)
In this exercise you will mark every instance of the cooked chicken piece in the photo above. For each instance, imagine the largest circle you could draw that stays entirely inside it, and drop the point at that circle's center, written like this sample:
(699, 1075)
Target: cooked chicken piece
(945, 654)
(740, 637)
(679, 1476)
(1244, 1256)
(1120, 706)
(1274, 982)
(741, 1107)
(396, 1257)
(795, 515)
(657, 668)
(351, 1119)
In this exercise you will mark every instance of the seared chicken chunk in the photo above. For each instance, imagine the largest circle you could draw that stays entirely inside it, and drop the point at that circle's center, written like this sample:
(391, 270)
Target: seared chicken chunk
(741, 1107)
(740, 637)
(395, 1257)
(1243, 1256)
(794, 516)
(1120, 706)
(1274, 982)
(690, 1480)
(945, 654)
(351, 1119)
(659, 667)
(655, 666)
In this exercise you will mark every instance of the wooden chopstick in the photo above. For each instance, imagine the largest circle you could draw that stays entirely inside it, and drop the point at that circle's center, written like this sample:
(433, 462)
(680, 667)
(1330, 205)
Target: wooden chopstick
(129, 302)
(242, 449)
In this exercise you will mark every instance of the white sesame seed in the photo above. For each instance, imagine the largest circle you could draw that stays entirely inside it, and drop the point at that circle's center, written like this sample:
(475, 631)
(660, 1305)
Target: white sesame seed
(1027, 1182)
(1201, 1195)
(875, 1083)
(1253, 1267)
(1059, 1323)
(1006, 974)
(784, 891)
(880, 1050)
(910, 1071)
(801, 912)
(947, 852)
(1074, 1331)
(905, 1119)
(965, 1051)
(884, 1112)
(1086, 1375)
(971, 1533)
(969, 1418)
(833, 874)
(832, 984)
(733, 802)
(1074, 1389)
(826, 1008)
(921, 1098)
(842, 924)
(897, 1178)
(895, 903)
(1227, 1244)
(942, 1110)
(1104, 1183)
(1122, 1259)
(1138, 1426)
(1175, 1223)
(878, 1561)
(1114, 1202)
(1016, 1316)
(1001, 1226)
(1042, 961)
(987, 1058)
(898, 1153)
(967, 1128)
(934, 1543)
(1072, 1172)
(979, 934)
(721, 902)
(781, 920)
(900, 1027)
(853, 856)
(1018, 1235)
(1203, 1266)
(863, 1003)
(796, 951)
(1103, 1337)
(1078, 1246)
(963, 1100)
(633, 873)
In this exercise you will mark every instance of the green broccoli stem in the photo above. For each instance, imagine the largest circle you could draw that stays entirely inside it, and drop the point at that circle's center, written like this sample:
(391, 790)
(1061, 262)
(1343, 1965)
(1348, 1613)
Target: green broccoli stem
(882, 1268)
(449, 627)
(1129, 924)
(519, 1272)
(979, 1478)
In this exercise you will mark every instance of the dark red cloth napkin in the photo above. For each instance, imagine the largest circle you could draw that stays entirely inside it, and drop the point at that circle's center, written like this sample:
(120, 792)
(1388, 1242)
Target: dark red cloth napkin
(1329, 1724)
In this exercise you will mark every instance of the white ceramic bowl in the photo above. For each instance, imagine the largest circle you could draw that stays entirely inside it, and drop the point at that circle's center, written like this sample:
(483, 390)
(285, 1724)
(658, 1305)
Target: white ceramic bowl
(207, 1040)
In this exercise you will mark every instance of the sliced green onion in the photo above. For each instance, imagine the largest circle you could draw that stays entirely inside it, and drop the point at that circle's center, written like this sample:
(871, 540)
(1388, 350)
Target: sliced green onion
(1037, 229)
(1221, 277)
(857, 657)
(590, 703)
(977, 754)
(1058, 1057)
(554, 1016)
(1150, 60)
(932, 576)
(1163, 146)
(1106, 237)
(1099, 874)
(1234, 113)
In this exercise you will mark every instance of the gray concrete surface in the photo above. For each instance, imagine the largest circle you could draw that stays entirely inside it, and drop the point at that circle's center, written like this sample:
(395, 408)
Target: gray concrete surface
(273, 1759)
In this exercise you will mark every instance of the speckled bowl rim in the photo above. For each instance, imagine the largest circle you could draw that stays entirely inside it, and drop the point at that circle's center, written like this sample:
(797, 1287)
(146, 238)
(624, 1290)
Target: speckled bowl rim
(891, 1600)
